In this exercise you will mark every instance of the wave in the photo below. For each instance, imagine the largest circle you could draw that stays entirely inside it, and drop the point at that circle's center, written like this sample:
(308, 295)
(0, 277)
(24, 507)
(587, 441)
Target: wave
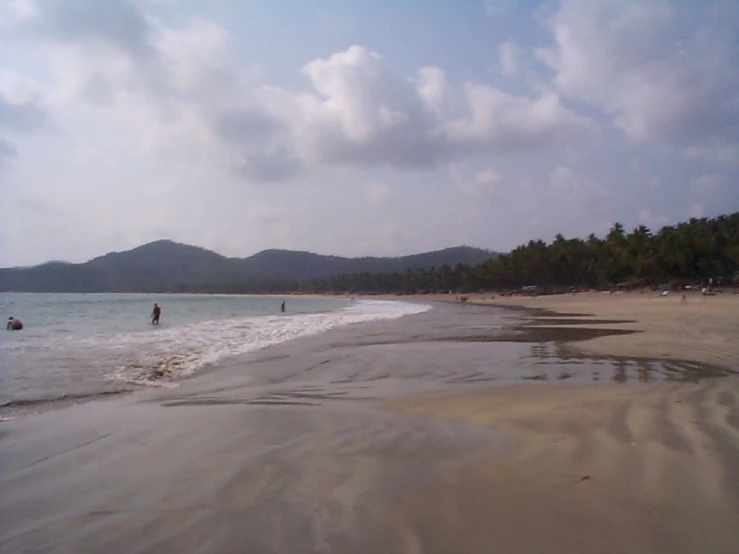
(47, 368)
(161, 355)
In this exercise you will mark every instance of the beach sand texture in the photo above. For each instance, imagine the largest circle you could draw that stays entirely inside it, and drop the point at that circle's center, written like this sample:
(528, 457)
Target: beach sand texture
(601, 469)
(705, 329)
(288, 452)
(651, 469)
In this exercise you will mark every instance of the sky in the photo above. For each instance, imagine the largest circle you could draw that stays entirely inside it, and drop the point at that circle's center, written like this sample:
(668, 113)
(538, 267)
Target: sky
(359, 127)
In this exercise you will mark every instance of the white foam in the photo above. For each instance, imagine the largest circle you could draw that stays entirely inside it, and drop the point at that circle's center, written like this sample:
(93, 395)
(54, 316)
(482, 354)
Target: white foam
(166, 353)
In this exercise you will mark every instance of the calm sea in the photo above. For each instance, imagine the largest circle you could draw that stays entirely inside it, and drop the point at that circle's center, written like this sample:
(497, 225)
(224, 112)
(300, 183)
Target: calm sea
(75, 346)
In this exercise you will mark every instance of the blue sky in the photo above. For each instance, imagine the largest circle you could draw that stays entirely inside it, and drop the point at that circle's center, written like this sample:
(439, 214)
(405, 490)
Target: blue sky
(359, 127)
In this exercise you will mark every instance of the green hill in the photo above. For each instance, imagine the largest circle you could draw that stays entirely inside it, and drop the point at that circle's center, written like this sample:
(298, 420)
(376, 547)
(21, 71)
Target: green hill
(166, 266)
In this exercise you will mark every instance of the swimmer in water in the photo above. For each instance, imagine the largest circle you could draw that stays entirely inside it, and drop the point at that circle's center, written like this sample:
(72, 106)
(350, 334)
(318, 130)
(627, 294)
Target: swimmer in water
(14, 324)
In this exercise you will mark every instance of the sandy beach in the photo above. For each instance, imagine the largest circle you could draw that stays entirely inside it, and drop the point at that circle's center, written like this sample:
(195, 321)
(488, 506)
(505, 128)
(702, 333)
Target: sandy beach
(601, 469)
(469, 428)
(646, 469)
(704, 329)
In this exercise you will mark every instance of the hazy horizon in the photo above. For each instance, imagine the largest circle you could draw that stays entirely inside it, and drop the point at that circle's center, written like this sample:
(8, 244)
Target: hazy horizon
(359, 128)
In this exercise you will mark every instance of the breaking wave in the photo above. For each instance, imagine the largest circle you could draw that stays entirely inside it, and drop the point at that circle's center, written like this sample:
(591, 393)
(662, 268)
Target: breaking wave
(155, 357)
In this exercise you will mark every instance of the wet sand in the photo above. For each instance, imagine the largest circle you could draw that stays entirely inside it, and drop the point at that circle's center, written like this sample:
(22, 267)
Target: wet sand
(600, 469)
(705, 329)
(326, 445)
(597, 469)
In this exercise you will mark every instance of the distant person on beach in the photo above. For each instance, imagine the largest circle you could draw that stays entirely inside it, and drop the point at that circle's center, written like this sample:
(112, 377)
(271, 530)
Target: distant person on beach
(155, 314)
(684, 298)
(282, 308)
(14, 324)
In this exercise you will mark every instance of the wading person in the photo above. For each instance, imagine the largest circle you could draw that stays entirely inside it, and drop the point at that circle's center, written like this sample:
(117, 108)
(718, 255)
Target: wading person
(155, 314)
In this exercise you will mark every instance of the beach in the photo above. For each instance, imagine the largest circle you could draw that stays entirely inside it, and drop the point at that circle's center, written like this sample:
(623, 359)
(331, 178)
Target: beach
(467, 428)
(645, 469)
(704, 329)
(649, 469)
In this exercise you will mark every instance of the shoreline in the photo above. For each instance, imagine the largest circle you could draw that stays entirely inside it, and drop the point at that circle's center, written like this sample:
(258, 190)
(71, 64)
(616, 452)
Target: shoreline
(398, 436)
(587, 329)
(161, 373)
(627, 324)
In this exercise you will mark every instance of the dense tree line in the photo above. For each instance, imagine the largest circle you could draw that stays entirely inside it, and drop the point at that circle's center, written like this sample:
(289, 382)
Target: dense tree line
(695, 251)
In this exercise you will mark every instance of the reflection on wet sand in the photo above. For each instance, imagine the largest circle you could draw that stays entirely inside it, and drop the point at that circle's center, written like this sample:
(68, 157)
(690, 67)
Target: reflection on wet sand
(567, 363)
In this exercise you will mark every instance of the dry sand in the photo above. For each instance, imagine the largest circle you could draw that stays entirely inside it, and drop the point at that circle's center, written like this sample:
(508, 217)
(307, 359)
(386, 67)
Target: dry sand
(647, 469)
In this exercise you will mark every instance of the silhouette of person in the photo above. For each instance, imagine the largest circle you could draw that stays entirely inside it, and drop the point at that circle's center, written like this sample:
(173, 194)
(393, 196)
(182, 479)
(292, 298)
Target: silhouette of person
(155, 314)
(282, 308)
(14, 324)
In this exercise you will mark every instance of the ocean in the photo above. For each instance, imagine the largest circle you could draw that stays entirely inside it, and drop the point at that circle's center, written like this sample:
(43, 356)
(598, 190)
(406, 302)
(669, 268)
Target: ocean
(81, 346)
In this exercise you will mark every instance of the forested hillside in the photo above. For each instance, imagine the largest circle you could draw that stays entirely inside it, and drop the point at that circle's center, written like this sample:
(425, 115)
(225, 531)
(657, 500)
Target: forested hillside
(166, 266)
(694, 251)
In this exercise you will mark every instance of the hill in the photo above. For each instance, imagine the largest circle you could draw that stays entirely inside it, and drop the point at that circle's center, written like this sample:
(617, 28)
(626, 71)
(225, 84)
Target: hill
(288, 264)
(166, 266)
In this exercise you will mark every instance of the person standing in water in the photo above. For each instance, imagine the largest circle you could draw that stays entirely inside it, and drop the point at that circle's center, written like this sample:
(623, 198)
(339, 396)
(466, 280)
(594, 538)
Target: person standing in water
(155, 314)
(282, 308)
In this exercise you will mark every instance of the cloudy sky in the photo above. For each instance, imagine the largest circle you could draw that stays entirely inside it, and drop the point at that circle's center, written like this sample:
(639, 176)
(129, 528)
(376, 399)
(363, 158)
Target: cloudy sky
(359, 127)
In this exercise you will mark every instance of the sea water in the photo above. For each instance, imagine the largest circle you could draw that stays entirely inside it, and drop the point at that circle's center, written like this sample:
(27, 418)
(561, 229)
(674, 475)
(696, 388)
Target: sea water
(76, 346)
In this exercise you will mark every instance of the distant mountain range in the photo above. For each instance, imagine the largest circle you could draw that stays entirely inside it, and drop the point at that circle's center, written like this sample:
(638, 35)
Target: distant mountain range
(166, 266)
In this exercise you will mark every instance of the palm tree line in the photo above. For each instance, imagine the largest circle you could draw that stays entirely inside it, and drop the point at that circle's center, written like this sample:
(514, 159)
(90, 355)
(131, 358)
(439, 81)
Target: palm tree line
(696, 251)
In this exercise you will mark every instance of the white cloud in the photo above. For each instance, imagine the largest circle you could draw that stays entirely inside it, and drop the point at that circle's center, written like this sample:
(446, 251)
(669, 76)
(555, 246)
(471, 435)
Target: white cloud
(575, 188)
(378, 193)
(478, 183)
(660, 69)
(486, 182)
(703, 190)
(366, 115)
(502, 121)
(194, 54)
(18, 89)
(20, 116)
(361, 113)
(720, 154)
(183, 91)
(13, 12)
(433, 89)
(509, 55)
(22, 109)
